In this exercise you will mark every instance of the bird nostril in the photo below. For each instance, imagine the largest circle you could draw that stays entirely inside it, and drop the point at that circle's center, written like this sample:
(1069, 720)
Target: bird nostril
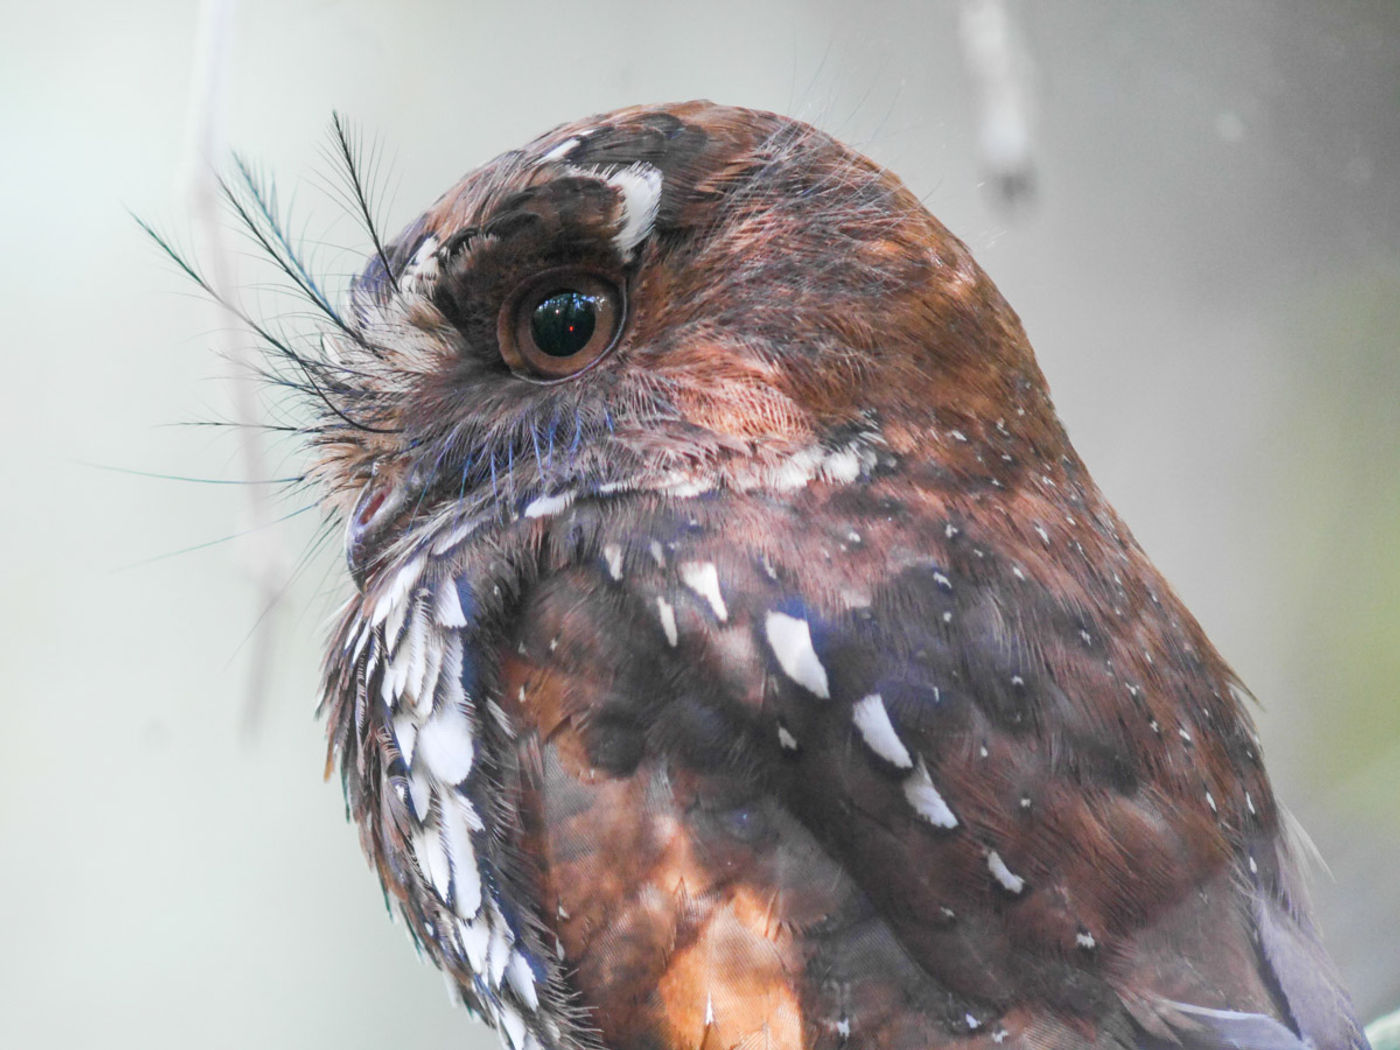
(369, 505)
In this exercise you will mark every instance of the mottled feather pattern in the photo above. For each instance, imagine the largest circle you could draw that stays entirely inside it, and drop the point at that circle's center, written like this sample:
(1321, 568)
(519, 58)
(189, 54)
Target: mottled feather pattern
(778, 676)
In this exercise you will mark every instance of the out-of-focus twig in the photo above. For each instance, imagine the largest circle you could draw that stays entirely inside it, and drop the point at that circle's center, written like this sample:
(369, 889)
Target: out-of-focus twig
(1000, 66)
(259, 547)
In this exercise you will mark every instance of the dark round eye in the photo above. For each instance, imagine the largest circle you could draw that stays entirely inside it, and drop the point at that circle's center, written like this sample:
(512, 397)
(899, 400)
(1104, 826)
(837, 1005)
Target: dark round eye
(563, 323)
(558, 323)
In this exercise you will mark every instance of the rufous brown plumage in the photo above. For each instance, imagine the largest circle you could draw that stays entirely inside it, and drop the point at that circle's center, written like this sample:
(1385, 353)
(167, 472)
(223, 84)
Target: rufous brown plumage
(742, 656)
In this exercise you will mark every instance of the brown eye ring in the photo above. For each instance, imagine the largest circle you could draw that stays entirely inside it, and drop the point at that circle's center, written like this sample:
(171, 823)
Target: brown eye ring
(559, 323)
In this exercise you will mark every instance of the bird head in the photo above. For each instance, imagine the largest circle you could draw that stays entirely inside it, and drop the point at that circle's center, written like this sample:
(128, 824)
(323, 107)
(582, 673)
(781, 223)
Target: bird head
(667, 299)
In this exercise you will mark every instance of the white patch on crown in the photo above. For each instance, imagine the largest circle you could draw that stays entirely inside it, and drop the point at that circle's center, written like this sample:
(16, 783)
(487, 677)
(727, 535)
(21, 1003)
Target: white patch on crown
(924, 797)
(875, 726)
(786, 739)
(1010, 881)
(640, 187)
(791, 641)
(703, 579)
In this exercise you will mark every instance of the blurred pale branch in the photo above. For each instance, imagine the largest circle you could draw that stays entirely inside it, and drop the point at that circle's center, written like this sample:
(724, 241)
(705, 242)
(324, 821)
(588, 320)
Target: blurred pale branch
(999, 63)
(259, 547)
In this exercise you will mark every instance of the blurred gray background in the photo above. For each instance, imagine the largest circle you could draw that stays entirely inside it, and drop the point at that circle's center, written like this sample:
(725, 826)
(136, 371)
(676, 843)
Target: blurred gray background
(1209, 269)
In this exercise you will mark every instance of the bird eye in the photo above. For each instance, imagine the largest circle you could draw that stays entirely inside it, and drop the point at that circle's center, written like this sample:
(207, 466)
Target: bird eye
(558, 324)
(563, 323)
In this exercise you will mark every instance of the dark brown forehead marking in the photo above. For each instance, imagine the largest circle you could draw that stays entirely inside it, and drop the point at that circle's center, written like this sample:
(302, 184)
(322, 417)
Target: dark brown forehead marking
(698, 149)
(658, 138)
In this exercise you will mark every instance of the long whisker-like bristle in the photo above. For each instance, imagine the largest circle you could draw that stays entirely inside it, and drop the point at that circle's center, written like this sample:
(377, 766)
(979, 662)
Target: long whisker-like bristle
(351, 161)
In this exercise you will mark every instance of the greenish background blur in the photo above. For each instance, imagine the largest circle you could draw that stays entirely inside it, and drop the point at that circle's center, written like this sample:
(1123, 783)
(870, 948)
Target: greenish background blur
(1210, 271)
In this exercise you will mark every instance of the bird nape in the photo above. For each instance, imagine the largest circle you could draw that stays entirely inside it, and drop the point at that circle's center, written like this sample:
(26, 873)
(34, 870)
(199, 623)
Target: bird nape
(741, 654)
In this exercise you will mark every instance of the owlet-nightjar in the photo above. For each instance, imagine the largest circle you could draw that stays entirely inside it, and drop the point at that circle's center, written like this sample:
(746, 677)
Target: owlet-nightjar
(741, 655)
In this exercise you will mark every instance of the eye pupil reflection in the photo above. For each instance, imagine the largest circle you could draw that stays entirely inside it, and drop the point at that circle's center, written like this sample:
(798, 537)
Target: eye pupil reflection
(563, 322)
